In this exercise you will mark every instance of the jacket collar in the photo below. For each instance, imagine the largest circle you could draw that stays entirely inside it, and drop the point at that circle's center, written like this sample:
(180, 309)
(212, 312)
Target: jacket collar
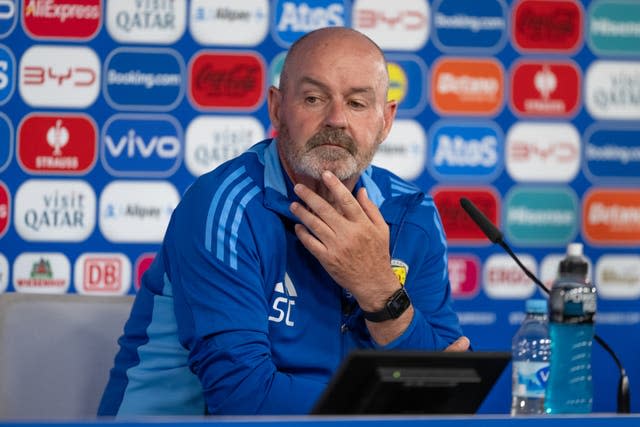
(278, 188)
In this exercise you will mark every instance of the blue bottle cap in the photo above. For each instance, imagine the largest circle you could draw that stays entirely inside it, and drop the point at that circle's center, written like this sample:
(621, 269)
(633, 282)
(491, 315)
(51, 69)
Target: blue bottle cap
(538, 306)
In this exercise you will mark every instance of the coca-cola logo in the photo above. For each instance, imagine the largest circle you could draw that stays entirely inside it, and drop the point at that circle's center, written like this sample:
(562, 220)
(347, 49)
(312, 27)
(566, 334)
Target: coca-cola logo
(547, 25)
(227, 81)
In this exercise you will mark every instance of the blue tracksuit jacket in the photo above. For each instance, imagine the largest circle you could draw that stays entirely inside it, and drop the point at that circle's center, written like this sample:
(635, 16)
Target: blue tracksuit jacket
(235, 316)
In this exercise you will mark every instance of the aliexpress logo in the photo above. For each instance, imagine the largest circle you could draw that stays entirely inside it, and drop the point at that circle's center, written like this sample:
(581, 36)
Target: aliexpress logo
(612, 217)
(459, 228)
(62, 19)
(467, 86)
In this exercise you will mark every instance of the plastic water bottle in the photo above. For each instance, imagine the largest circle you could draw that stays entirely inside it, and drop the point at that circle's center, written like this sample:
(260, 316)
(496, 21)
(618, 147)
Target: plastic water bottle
(530, 347)
(572, 308)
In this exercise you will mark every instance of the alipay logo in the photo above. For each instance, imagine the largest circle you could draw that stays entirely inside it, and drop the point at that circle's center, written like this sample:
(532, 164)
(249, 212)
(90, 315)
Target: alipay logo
(141, 145)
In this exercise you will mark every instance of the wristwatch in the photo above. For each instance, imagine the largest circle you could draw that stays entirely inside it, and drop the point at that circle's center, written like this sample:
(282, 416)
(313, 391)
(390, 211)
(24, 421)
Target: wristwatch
(393, 308)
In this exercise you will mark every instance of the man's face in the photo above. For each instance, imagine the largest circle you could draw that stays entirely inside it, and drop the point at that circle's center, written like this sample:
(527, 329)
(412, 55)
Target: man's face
(333, 112)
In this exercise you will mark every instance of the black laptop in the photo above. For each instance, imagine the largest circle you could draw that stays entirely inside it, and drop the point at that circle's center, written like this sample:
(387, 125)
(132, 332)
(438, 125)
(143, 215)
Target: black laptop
(411, 382)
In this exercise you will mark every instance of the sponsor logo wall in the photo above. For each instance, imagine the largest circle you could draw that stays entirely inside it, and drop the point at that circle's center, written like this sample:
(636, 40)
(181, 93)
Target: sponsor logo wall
(109, 109)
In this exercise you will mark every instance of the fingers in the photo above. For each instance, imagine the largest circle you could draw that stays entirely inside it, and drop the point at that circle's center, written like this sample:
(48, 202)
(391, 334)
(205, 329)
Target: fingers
(342, 197)
(461, 344)
(369, 208)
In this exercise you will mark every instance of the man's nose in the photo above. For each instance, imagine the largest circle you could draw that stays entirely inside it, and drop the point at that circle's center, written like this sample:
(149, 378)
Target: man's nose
(336, 115)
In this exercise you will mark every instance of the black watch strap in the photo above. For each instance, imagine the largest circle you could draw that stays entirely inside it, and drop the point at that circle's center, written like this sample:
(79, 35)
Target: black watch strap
(393, 308)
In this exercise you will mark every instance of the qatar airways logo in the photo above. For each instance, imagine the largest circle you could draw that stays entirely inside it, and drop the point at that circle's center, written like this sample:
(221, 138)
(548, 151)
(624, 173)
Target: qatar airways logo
(146, 21)
(211, 141)
(611, 90)
(50, 210)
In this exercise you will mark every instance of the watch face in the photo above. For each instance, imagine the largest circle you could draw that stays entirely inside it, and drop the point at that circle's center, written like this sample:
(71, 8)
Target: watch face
(398, 304)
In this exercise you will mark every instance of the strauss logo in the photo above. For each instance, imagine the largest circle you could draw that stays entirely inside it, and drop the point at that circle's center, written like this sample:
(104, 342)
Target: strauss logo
(57, 137)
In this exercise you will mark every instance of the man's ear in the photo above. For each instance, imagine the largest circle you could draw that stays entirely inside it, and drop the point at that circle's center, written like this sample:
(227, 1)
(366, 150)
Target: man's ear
(274, 101)
(389, 115)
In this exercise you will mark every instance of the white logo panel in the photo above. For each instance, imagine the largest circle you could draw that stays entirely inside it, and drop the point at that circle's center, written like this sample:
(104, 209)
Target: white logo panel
(404, 152)
(57, 76)
(611, 90)
(41, 273)
(4, 273)
(618, 277)
(394, 25)
(503, 279)
(229, 22)
(211, 141)
(136, 211)
(543, 152)
(51, 210)
(102, 274)
(161, 22)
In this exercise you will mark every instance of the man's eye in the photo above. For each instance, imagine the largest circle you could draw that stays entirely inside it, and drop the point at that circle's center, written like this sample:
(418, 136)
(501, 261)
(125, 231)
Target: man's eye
(311, 99)
(357, 104)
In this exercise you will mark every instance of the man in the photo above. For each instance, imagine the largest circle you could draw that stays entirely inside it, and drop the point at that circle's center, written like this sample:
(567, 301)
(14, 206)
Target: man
(280, 262)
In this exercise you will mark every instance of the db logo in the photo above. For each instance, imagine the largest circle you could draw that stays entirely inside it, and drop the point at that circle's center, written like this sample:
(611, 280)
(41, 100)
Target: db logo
(5, 208)
(104, 274)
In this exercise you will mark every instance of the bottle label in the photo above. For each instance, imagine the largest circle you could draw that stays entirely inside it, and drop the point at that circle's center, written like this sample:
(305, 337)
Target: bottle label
(530, 378)
(573, 305)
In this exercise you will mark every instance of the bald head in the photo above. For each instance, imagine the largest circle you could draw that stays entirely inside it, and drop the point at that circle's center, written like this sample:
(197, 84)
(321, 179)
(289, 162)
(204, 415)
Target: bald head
(331, 39)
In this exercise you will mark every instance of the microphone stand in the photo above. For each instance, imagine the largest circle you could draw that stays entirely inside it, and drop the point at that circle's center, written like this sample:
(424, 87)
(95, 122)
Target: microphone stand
(495, 236)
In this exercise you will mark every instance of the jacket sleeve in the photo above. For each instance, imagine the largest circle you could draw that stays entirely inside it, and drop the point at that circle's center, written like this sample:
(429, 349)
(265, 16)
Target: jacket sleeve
(421, 243)
(222, 316)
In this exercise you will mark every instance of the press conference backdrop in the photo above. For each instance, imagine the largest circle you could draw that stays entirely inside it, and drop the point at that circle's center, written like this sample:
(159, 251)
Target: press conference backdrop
(110, 109)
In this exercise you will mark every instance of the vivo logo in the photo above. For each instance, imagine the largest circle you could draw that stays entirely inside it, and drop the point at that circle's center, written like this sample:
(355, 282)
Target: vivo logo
(142, 145)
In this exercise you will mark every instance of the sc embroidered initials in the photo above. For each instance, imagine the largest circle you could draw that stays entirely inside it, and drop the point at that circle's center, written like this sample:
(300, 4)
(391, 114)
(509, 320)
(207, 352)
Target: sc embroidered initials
(283, 305)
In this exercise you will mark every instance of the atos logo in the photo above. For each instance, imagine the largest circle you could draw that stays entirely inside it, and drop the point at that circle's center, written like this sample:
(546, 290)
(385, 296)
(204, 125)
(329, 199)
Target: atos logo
(227, 81)
(7, 74)
(144, 79)
(6, 141)
(143, 263)
(8, 16)
(57, 143)
(407, 83)
(612, 153)
(458, 226)
(141, 145)
(547, 26)
(503, 279)
(294, 18)
(5, 208)
(102, 274)
(614, 27)
(237, 23)
(611, 90)
(62, 19)
(470, 25)
(543, 152)
(462, 150)
(56, 76)
(541, 216)
(464, 276)
(545, 88)
(394, 25)
(467, 86)
(612, 217)
(146, 21)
